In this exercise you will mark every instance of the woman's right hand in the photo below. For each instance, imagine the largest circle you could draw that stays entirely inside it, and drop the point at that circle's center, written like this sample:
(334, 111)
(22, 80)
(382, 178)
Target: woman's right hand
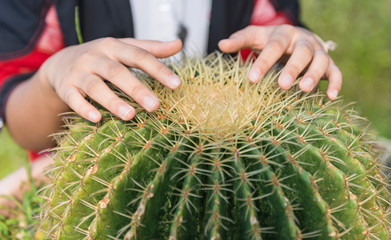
(79, 71)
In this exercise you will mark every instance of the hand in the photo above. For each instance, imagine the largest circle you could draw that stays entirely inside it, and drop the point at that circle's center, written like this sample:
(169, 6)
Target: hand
(305, 50)
(80, 71)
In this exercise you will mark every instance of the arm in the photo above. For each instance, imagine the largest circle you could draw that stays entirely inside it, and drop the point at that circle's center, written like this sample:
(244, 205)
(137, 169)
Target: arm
(32, 111)
(75, 72)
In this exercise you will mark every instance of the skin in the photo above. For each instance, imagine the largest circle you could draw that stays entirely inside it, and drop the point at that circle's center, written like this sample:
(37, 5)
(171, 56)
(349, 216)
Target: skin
(303, 47)
(66, 78)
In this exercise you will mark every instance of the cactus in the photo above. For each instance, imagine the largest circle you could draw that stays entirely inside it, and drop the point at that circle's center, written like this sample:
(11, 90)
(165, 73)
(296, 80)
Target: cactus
(221, 159)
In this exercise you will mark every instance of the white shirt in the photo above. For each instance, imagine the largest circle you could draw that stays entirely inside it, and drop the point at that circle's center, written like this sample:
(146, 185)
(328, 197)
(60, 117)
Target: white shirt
(161, 19)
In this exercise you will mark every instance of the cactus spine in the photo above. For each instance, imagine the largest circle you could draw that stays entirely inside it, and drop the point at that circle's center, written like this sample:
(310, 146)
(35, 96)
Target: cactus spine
(221, 159)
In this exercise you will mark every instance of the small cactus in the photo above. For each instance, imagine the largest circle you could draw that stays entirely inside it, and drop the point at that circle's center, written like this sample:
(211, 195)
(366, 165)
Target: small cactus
(221, 158)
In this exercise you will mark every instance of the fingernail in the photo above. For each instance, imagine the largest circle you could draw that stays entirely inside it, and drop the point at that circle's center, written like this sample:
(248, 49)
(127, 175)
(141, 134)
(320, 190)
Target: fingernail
(93, 116)
(150, 102)
(173, 81)
(286, 81)
(254, 75)
(308, 84)
(124, 111)
(333, 94)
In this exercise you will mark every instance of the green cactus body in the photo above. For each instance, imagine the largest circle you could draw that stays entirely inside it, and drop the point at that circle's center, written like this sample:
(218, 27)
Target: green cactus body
(221, 159)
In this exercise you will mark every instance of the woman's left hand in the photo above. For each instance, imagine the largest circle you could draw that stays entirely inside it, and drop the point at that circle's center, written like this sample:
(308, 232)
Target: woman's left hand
(304, 48)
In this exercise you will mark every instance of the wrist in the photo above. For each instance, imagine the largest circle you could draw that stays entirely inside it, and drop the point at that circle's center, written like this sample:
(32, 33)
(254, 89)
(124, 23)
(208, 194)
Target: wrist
(47, 91)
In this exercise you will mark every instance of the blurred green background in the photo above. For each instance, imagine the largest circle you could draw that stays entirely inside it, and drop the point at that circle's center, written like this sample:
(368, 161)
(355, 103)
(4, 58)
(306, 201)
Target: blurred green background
(362, 30)
(12, 156)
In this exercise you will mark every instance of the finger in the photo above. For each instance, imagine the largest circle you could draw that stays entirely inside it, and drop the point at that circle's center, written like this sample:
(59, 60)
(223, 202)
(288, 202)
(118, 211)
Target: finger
(254, 37)
(72, 97)
(120, 76)
(157, 48)
(273, 50)
(317, 69)
(300, 58)
(97, 90)
(334, 76)
(133, 56)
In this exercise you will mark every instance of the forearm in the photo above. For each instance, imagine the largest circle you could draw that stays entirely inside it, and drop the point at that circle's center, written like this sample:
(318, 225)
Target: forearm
(32, 113)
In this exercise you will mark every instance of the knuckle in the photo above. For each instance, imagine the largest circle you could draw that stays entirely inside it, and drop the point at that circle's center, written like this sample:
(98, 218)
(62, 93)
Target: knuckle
(276, 44)
(74, 68)
(142, 55)
(113, 103)
(113, 69)
(316, 73)
(154, 48)
(259, 41)
(84, 58)
(294, 69)
(108, 41)
(321, 53)
(323, 59)
(335, 78)
(307, 46)
(92, 86)
(287, 28)
(326, 61)
(339, 76)
(137, 90)
(161, 70)
(263, 65)
(66, 96)
(335, 70)
(323, 56)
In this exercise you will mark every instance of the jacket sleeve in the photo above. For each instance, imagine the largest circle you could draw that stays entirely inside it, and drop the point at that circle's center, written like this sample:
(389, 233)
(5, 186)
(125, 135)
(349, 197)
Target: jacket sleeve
(23, 32)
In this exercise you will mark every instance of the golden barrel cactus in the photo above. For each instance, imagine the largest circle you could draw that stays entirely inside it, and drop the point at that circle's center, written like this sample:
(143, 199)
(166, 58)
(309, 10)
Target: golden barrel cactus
(221, 158)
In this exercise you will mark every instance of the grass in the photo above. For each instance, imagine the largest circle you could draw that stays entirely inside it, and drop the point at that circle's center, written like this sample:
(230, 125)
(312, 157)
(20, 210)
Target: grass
(362, 30)
(12, 156)
(21, 222)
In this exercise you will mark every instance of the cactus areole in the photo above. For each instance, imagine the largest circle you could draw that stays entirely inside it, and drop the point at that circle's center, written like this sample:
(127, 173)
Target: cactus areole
(221, 158)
